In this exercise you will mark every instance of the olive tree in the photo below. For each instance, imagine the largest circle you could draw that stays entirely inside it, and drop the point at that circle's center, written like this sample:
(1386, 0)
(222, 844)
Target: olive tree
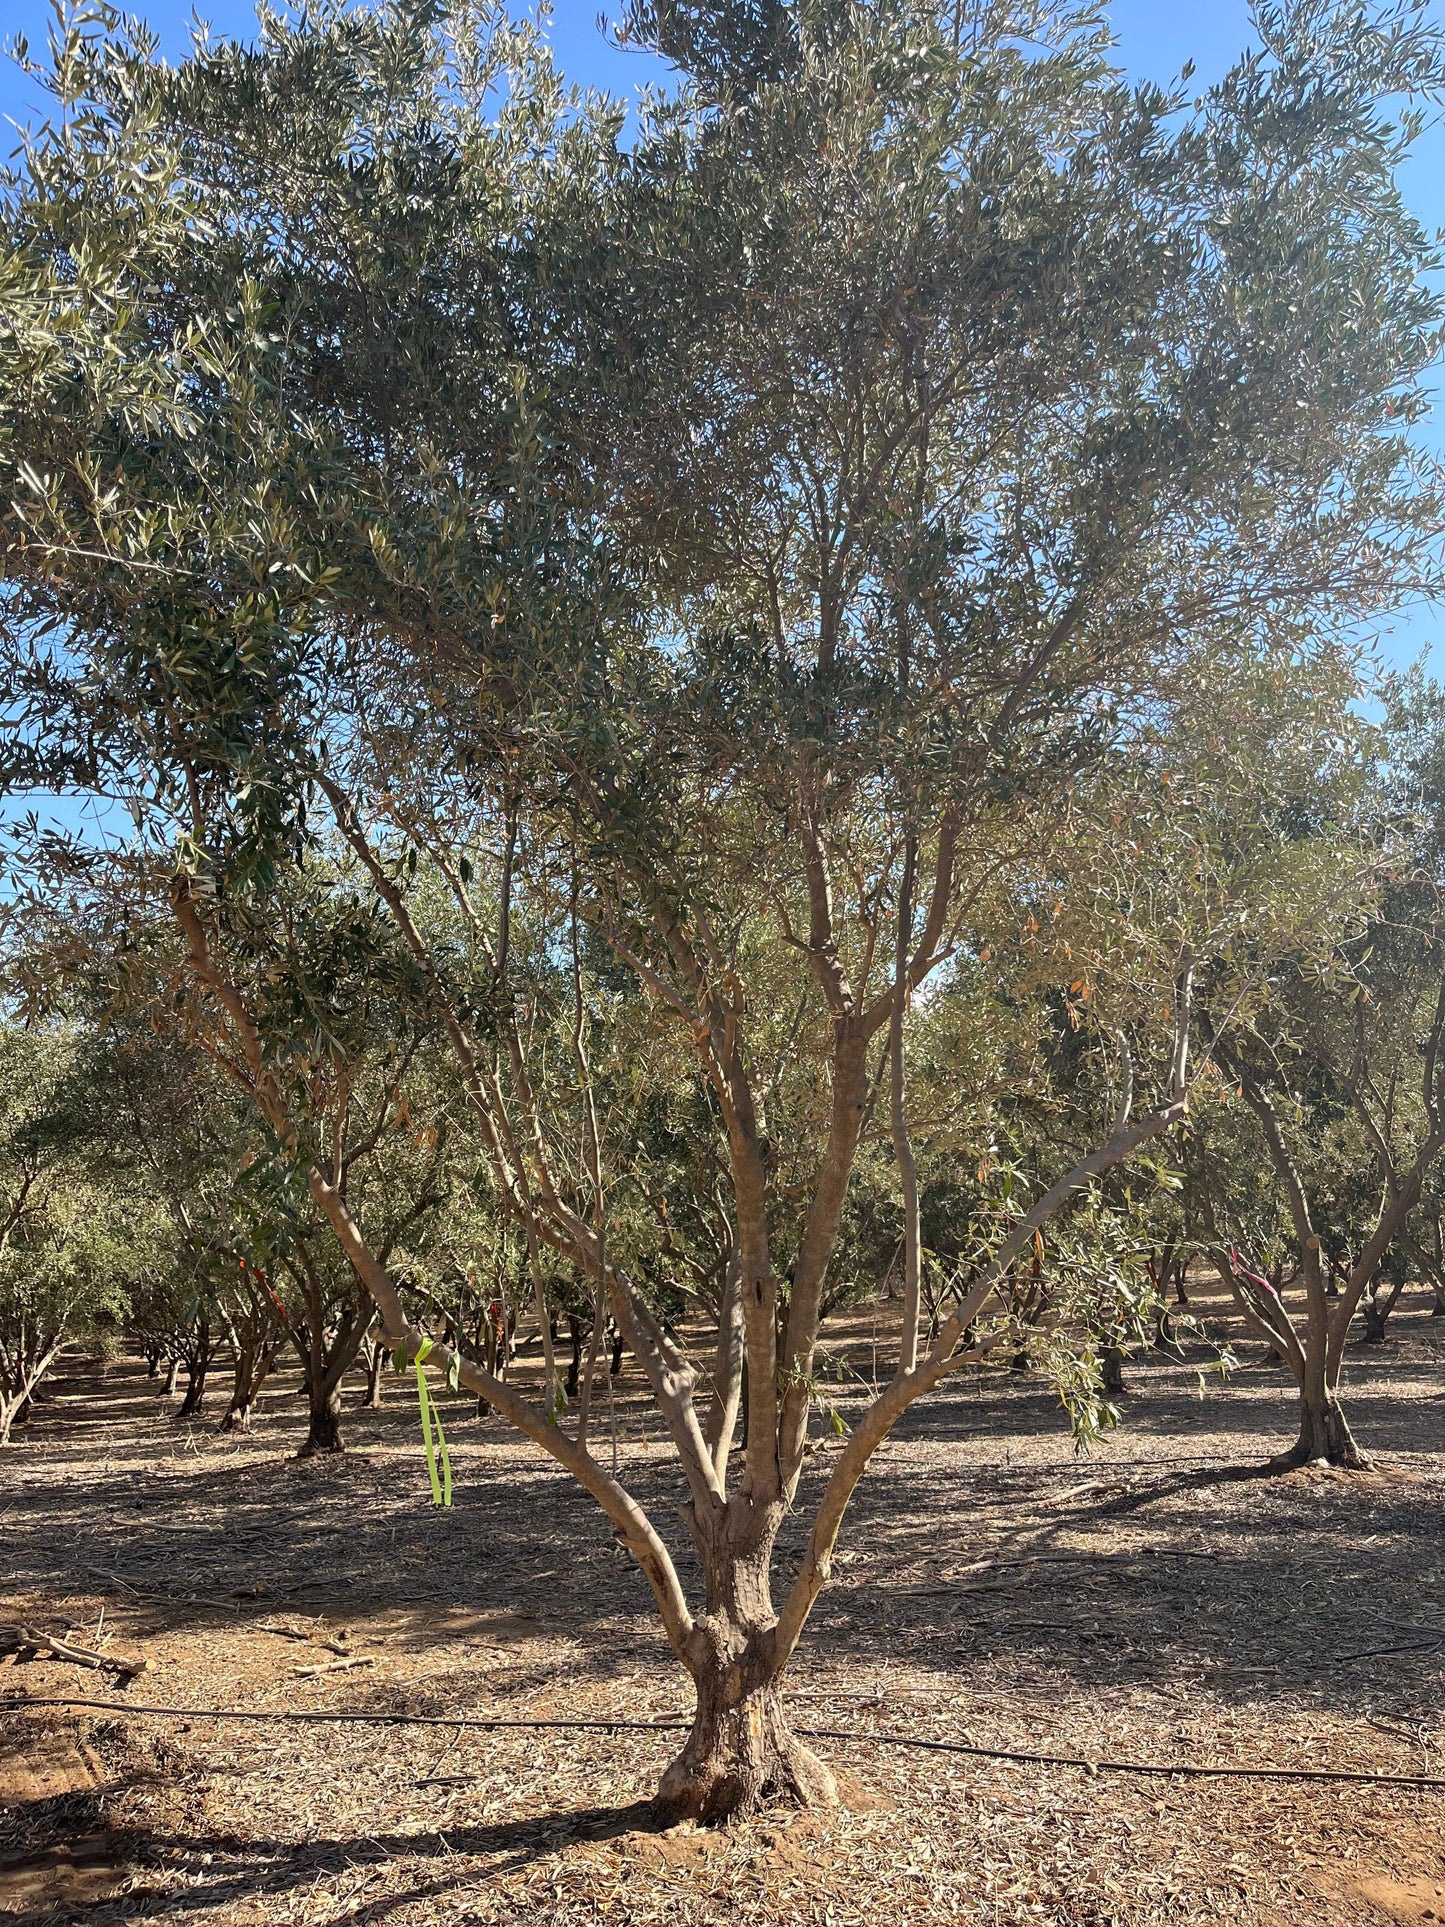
(72, 1241)
(746, 546)
(1356, 1048)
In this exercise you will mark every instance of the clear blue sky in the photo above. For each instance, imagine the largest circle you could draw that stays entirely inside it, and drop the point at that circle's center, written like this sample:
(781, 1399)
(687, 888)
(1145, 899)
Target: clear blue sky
(1155, 37)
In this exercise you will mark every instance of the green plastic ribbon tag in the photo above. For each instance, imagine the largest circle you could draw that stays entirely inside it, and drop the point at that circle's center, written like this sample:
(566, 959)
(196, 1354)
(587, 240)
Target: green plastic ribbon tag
(438, 1459)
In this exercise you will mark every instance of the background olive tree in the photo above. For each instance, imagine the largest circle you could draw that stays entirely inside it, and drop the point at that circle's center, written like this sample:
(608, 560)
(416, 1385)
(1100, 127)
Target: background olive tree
(77, 1236)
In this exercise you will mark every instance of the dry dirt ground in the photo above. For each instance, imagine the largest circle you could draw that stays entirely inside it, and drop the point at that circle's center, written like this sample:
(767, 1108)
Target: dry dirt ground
(1152, 1600)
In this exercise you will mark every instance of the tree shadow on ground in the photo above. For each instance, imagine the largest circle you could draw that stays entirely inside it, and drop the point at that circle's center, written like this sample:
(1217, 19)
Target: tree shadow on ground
(1317, 1585)
(221, 1869)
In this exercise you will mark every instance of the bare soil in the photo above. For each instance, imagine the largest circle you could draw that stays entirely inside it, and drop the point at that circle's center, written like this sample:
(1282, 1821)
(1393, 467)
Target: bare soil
(1153, 1600)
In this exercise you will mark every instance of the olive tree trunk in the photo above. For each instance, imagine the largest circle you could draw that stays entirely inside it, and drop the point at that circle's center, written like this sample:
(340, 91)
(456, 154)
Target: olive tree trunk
(249, 1373)
(1377, 1304)
(1310, 1351)
(323, 1421)
(375, 1369)
(741, 1752)
(198, 1365)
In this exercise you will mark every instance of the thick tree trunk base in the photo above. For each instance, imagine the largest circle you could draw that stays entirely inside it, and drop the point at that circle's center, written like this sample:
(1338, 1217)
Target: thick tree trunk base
(323, 1436)
(238, 1418)
(194, 1399)
(1325, 1438)
(741, 1756)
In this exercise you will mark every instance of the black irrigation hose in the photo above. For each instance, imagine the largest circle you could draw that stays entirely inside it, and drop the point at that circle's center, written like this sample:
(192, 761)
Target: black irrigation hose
(1163, 1768)
(358, 1719)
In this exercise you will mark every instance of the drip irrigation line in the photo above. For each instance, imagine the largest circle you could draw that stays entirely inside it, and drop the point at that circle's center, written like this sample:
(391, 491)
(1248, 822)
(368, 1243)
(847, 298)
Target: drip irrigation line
(1165, 1769)
(1385, 1652)
(290, 1717)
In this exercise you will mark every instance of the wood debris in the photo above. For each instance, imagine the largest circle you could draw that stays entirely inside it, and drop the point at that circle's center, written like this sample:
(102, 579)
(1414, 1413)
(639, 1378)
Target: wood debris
(332, 1666)
(31, 1642)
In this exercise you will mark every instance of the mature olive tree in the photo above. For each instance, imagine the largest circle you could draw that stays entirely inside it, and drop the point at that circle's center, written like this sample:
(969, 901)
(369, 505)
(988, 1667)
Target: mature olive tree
(75, 1236)
(1346, 1084)
(746, 548)
(173, 1123)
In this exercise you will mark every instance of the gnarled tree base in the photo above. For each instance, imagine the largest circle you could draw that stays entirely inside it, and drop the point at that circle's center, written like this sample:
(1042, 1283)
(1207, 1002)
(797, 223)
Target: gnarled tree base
(1324, 1439)
(740, 1756)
